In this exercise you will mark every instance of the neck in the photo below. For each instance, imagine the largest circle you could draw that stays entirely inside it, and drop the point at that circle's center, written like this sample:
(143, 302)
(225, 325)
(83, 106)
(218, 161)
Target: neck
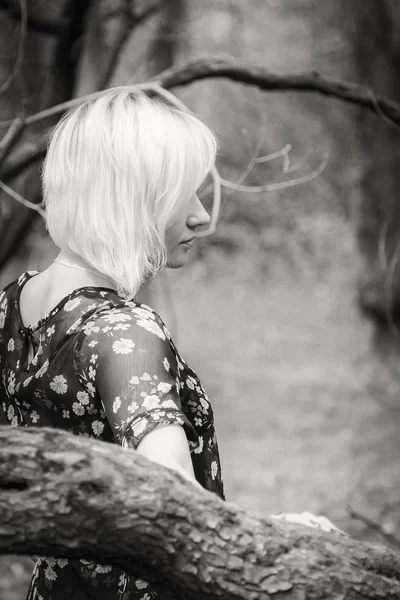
(79, 269)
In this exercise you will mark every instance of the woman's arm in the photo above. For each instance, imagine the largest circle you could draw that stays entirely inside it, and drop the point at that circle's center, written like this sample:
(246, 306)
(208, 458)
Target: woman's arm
(168, 447)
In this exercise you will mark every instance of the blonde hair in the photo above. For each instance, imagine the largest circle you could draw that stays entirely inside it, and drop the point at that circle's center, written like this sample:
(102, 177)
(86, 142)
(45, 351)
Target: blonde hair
(117, 169)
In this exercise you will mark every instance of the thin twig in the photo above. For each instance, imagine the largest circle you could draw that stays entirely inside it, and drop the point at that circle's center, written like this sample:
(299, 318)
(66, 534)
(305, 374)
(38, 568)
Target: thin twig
(281, 185)
(10, 139)
(18, 163)
(354, 514)
(21, 45)
(283, 152)
(21, 199)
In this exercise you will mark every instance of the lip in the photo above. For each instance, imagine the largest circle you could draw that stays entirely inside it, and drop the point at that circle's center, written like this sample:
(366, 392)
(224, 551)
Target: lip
(188, 242)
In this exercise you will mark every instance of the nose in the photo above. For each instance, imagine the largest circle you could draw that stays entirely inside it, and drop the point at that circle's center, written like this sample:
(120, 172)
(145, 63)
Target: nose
(198, 216)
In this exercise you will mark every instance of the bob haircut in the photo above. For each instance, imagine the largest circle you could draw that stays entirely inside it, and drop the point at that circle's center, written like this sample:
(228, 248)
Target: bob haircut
(118, 168)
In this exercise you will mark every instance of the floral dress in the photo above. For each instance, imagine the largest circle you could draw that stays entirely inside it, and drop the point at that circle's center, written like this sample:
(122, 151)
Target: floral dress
(103, 367)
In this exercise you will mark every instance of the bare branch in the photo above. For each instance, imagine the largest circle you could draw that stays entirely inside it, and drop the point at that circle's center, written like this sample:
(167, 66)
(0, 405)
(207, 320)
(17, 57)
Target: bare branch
(281, 185)
(268, 157)
(374, 526)
(21, 199)
(37, 23)
(249, 74)
(28, 155)
(313, 81)
(21, 45)
(10, 139)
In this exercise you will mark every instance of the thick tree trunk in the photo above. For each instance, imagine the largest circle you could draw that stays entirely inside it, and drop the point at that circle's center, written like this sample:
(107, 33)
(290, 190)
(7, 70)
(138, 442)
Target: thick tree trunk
(79, 497)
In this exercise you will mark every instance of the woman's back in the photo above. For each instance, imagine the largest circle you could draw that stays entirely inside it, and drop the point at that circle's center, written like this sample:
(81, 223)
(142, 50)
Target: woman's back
(99, 366)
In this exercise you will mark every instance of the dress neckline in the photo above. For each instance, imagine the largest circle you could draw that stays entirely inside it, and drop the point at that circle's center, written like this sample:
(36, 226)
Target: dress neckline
(26, 276)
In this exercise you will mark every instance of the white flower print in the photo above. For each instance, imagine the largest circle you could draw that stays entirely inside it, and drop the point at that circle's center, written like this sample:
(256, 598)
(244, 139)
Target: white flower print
(133, 406)
(83, 397)
(123, 346)
(98, 427)
(78, 409)
(116, 317)
(143, 312)
(151, 402)
(140, 584)
(152, 327)
(92, 372)
(214, 469)
(2, 320)
(145, 377)
(11, 383)
(11, 345)
(74, 326)
(169, 404)
(10, 412)
(27, 380)
(93, 358)
(139, 427)
(121, 327)
(145, 597)
(103, 568)
(59, 384)
(14, 422)
(198, 422)
(189, 383)
(199, 448)
(34, 416)
(164, 387)
(205, 405)
(62, 562)
(66, 414)
(93, 343)
(50, 330)
(166, 364)
(134, 380)
(91, 327)
(42, 369)
(50, 573)
(116, 404)
(90, 388)
(71, 304)
(123, 580)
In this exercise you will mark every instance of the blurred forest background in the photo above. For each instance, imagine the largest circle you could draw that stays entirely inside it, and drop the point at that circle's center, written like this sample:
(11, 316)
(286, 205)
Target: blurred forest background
(288, 312)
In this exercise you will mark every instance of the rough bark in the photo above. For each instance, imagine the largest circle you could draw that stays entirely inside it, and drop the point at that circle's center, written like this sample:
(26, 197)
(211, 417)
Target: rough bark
(79, 497)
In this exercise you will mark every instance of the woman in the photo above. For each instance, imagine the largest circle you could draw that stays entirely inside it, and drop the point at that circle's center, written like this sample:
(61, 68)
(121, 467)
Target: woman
(77, 352)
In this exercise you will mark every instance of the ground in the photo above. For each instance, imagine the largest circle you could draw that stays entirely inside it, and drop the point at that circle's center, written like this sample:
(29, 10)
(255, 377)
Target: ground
(305, 395)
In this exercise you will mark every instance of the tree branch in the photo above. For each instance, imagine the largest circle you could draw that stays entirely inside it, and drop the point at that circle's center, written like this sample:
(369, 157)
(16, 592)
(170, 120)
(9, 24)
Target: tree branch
(206, 68)
(11, 138)
(374, 526)
(103, 502)
(56, 26)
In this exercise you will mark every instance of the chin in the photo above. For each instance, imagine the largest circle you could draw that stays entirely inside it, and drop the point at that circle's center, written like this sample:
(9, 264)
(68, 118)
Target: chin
(176, 264)
(177, 260)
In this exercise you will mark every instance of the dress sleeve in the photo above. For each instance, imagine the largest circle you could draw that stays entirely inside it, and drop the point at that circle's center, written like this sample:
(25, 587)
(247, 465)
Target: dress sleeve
(137, 376)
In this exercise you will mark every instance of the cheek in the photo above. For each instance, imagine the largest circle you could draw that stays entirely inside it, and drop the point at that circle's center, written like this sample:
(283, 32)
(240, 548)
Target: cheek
(173, 235)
